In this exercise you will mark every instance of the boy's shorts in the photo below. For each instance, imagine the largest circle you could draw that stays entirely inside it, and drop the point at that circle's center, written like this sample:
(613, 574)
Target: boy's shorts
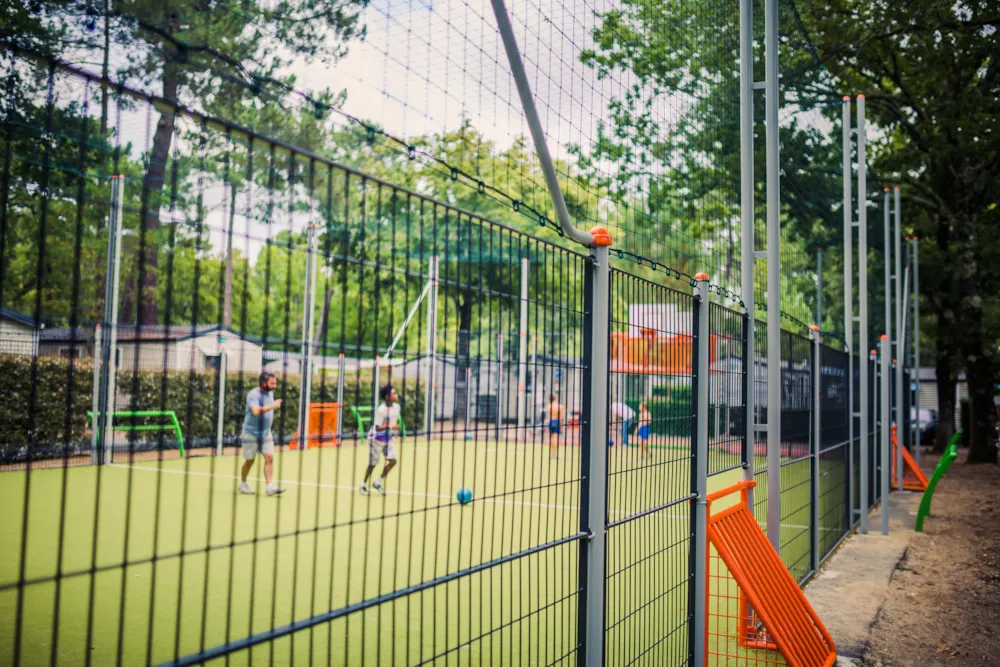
(378, 448)
(253, 443)
(644, 432)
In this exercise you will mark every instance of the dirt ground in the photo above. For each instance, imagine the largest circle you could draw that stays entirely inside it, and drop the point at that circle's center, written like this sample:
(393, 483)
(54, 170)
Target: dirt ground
(943, 606)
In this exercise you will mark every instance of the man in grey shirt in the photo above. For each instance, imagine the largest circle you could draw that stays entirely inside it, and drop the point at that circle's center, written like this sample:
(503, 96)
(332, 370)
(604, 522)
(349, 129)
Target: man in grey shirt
(256, 434)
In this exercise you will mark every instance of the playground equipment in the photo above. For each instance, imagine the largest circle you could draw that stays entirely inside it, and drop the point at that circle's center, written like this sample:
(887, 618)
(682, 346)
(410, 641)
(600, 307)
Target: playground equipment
(174, 425)
(950, 454)
(323, 427)
(914, 478)
(753, 598)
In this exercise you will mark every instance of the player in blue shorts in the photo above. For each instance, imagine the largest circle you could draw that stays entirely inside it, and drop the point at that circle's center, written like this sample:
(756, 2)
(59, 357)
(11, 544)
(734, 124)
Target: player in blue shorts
(555, 423)
(645, 427)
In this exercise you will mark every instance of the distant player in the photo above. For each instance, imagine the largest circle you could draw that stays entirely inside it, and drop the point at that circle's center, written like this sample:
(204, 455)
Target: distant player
(385, 424)
(555, 422)
(256, 435)
(623, 415)
(645, 426)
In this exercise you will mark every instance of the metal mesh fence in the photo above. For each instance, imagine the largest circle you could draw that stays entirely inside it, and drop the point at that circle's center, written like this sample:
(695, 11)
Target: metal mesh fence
(650, 460)
(160, 255)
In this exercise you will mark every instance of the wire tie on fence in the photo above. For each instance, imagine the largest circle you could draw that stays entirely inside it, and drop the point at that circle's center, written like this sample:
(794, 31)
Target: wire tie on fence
(454, 173)
(371, 133)
(517, 205)
(319, 110)
(482, 187)
(411, 152)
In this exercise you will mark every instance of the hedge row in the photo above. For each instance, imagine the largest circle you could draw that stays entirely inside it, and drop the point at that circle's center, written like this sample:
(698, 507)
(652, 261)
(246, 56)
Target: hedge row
(58, 423)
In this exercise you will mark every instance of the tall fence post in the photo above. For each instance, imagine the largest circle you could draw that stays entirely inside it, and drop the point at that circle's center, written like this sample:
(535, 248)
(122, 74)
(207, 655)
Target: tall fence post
(900, 336)
(432, 276)
(702, 337)
(109, 349)
(865, 424)
(747, 240)
(773, 274)
(886, 428)
(96, 396)
(340, 397)
(817, 379)
(522, 352)
(305, 356)
(221, 400)
(848, 224)
(594, 452)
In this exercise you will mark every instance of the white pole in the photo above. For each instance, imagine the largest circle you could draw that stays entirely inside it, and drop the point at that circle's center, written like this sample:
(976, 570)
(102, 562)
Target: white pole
(863, 307)
(747, 233)
(916, 335)
(431, 345)
(308, 334)
(111, 315)
(522, 358)
(848, 292)
(700, 478)
(468, 397)
(499, 419)
(221, 401)
(96, 396)
(340, 396)
(886, 427)
(773, 276)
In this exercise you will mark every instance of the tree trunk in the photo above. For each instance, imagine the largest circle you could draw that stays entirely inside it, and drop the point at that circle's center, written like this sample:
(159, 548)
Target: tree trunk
(227, 295)
(982, 444)
(945, 391)
(152, 187)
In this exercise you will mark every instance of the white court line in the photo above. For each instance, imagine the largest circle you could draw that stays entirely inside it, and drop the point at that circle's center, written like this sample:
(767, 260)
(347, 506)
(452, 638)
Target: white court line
(421, 494)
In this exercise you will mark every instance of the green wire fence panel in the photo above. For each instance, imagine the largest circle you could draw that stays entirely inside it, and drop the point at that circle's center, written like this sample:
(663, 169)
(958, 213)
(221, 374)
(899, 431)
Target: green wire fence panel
(950, 454)
(174, 425)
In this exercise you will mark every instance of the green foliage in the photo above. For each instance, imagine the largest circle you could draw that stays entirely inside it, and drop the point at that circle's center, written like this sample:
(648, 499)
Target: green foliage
(59, 425)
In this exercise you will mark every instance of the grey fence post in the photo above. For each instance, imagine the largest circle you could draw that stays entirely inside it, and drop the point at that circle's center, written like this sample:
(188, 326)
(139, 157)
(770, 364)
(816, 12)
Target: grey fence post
(594, 453)
(109, 349)
(522, 351)
(96, 398)
(305, 351)
(773, 169)
(340, 397)
(866, 418)
(221, 400)
(848, 298)
(886, 428)
(747, 241)
(702, 338)
(817, 378)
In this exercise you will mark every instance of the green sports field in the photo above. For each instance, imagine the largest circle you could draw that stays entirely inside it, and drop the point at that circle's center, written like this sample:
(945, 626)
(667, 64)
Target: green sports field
(204, 565)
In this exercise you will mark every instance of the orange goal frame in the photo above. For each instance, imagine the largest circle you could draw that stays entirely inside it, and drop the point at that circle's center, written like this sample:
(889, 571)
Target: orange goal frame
(774, 615)
(914, 478)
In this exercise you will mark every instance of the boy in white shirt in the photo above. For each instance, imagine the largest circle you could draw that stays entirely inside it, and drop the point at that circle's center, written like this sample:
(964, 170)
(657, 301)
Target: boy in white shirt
(385, 424)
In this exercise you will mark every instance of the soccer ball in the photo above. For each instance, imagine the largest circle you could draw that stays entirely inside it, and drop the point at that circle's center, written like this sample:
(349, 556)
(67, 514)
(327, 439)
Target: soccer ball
(464, 496)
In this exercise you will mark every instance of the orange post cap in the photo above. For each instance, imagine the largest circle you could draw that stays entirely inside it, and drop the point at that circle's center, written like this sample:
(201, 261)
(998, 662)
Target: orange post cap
(602, 238)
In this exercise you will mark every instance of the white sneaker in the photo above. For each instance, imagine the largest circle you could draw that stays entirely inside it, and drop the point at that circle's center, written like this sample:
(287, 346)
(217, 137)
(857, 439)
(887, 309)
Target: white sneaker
(273, 490)
(363, 489)
(245, 488)
(378, 487)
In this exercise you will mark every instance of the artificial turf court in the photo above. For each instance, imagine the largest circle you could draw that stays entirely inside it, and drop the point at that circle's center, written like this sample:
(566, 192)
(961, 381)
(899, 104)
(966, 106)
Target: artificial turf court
(205, 565)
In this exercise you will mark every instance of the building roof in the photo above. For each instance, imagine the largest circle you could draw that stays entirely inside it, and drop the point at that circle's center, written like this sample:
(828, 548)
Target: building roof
(929, 374)
(156, 333)
(14, 316)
